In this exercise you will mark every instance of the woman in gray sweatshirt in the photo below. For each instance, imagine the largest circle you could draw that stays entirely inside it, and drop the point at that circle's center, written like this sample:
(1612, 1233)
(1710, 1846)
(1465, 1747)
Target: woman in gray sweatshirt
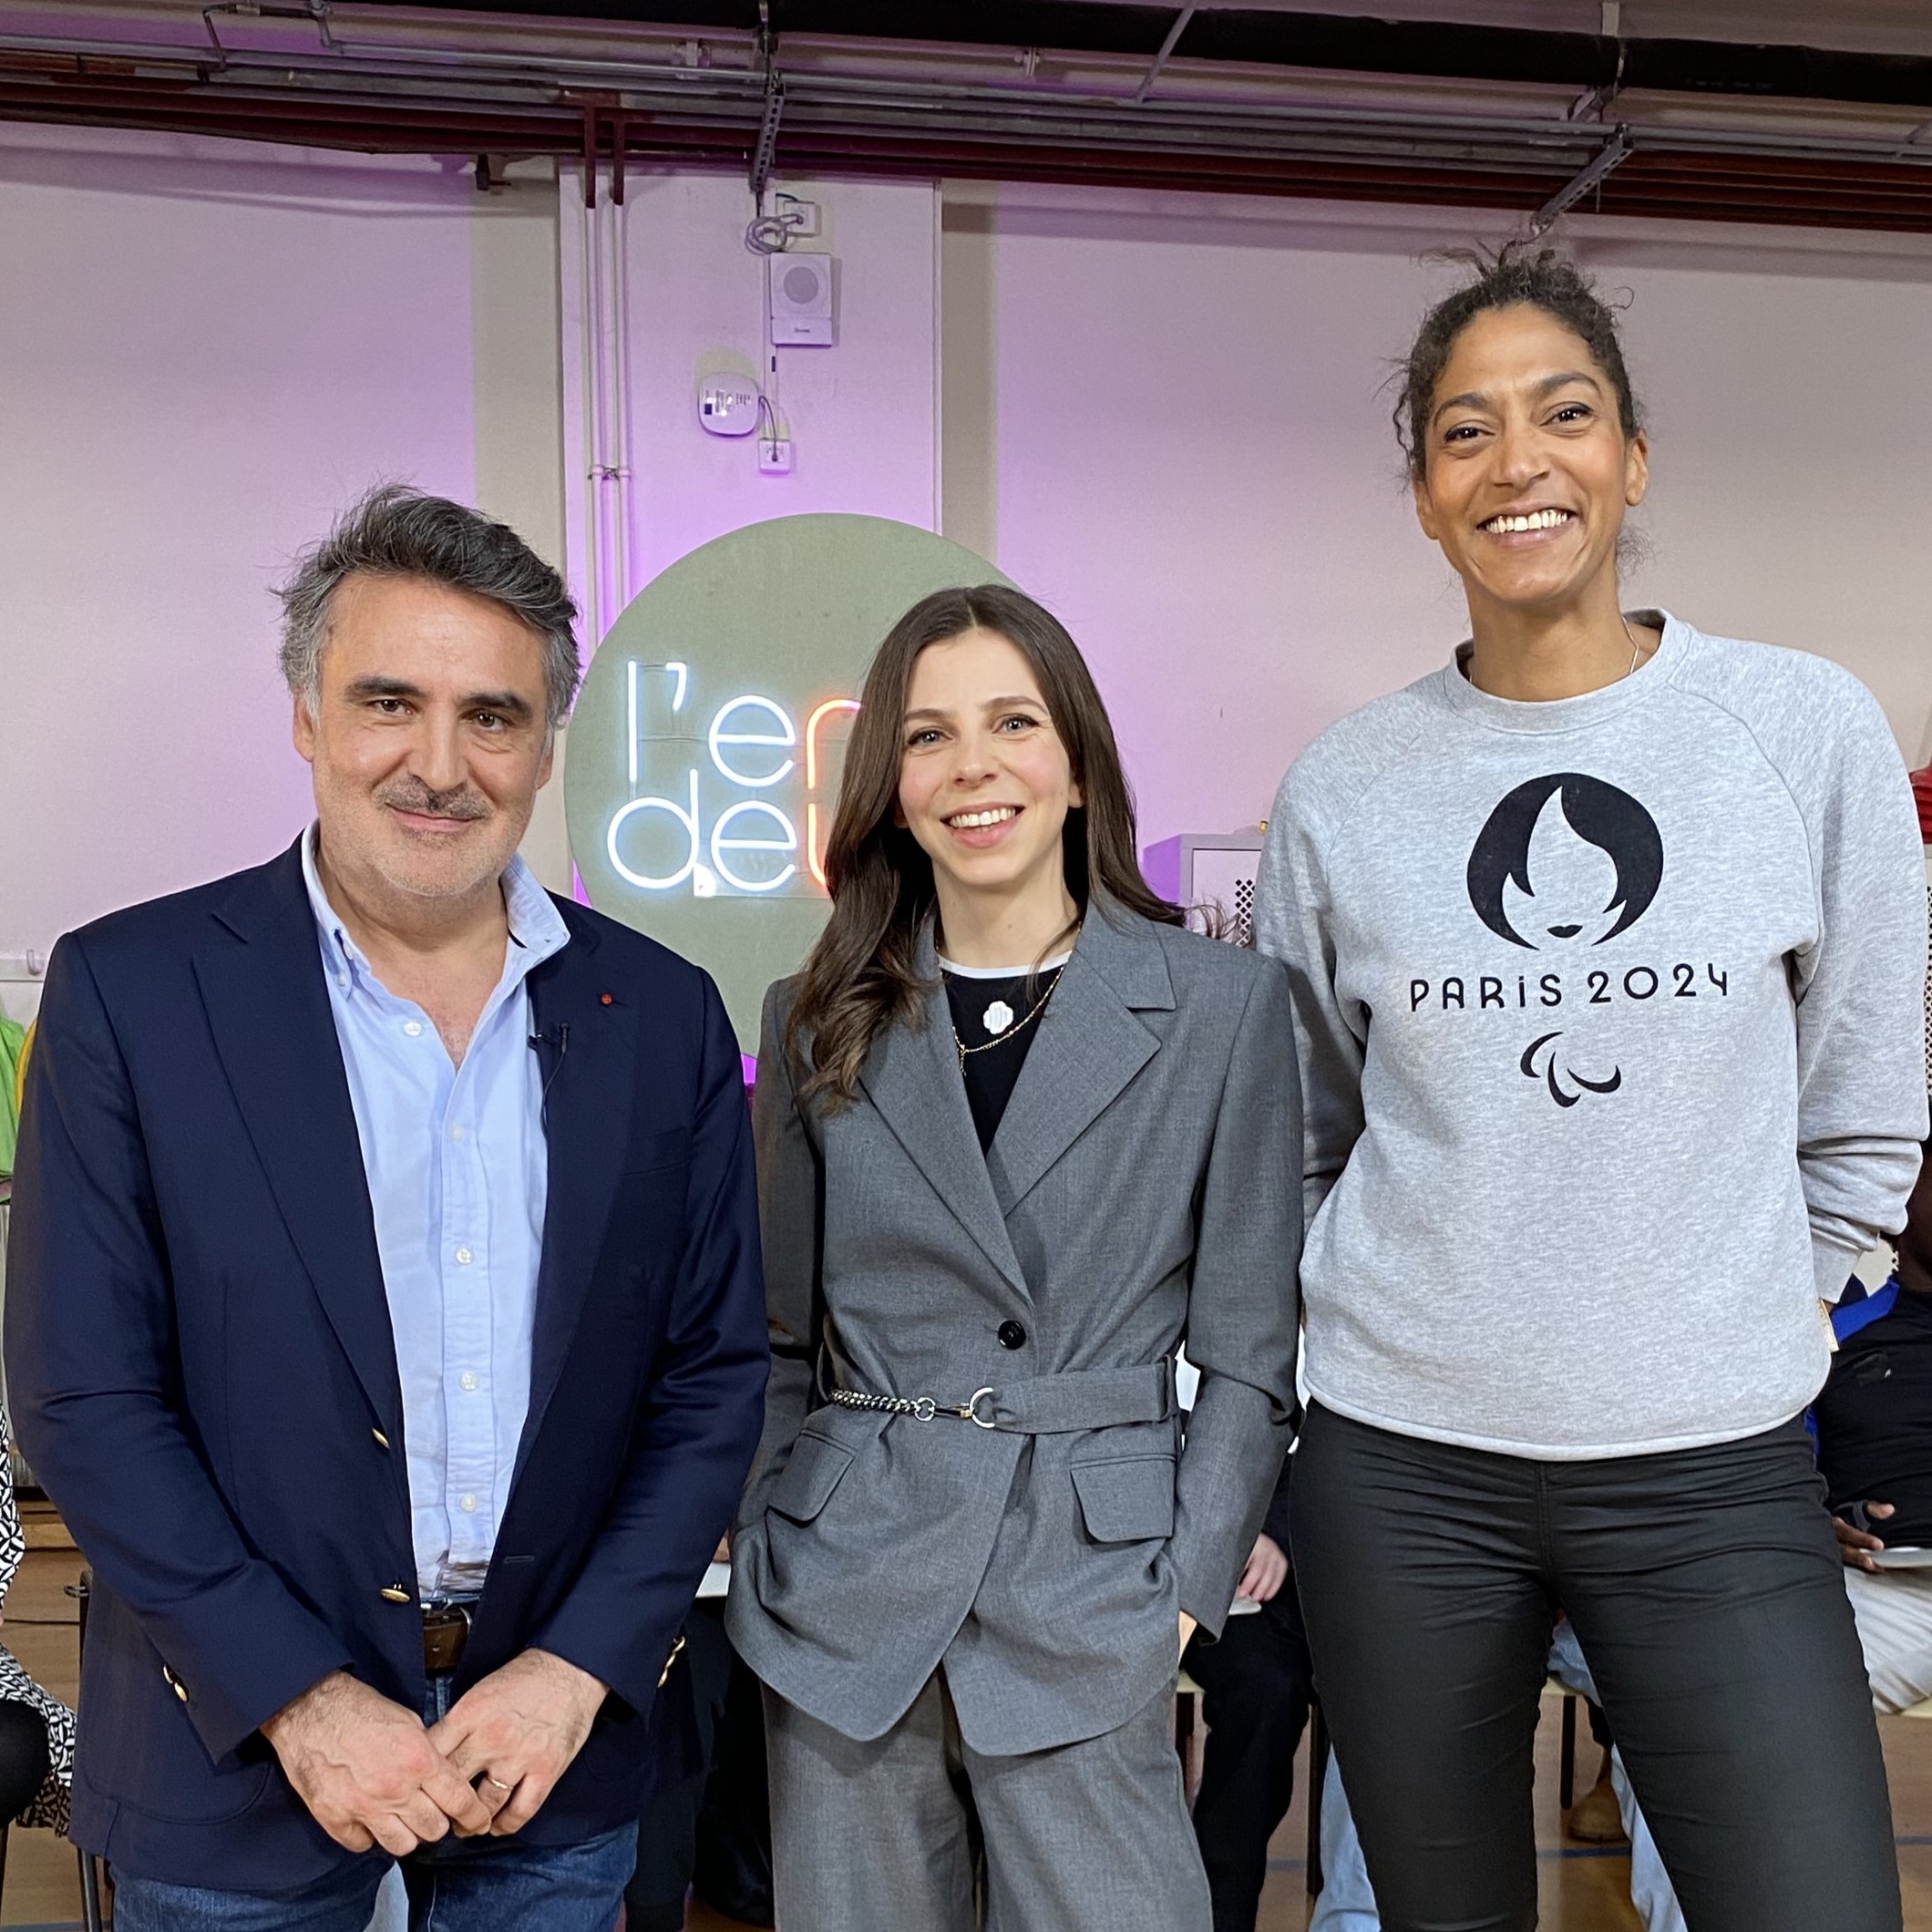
(1607, 941)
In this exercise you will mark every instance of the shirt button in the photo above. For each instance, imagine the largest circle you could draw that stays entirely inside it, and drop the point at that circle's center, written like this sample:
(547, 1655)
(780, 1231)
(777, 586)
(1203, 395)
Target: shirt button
(412, 1027)
(1012, 1335)
(467, 1505)
(465, 1256)
(456, 1133)
(468, 1380)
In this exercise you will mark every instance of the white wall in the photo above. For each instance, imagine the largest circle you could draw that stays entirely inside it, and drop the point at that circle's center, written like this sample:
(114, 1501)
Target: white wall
(862, 414)
(1181, 441)
(208, 348)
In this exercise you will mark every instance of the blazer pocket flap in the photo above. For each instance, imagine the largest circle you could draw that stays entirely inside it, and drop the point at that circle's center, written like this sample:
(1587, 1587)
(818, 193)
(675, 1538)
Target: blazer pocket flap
(805, 1484)
(1128, 1499)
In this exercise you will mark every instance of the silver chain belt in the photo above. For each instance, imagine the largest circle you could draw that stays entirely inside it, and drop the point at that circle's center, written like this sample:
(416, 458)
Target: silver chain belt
(921, 1408)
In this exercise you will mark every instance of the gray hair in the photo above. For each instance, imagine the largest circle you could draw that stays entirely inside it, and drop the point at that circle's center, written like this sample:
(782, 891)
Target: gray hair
(397, 531)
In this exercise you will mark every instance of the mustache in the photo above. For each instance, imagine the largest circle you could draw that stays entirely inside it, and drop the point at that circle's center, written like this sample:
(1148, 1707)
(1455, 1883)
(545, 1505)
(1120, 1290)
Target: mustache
(414, 796)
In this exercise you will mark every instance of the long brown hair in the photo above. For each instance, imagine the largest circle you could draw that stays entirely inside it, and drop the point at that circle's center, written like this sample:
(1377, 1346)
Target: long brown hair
(862, 975)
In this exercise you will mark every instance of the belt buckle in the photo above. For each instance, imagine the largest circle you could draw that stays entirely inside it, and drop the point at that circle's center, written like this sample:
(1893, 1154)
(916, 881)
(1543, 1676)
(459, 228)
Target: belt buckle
(446, 1626)
(969, 1411)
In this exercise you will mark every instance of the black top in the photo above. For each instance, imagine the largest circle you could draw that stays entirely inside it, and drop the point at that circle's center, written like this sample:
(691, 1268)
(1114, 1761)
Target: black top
(1874, 1422)
(991, 1075)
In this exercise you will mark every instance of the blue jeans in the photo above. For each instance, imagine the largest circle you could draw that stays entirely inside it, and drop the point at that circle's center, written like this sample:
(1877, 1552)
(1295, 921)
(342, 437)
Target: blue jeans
(456, 1885)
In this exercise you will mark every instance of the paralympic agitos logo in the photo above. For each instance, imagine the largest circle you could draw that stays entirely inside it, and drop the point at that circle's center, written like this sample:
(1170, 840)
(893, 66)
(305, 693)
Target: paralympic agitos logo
(1564, 864)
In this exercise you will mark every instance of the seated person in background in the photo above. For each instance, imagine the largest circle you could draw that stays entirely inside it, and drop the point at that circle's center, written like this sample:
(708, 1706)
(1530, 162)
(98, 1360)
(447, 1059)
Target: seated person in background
(1596, 1818)
(1254, 1696)
(37, 1732)
(1874, 1448)
(711, 1833)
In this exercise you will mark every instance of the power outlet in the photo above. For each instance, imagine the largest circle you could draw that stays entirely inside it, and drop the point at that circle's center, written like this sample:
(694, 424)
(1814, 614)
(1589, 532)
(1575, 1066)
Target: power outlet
(800, 217)
(775, 455)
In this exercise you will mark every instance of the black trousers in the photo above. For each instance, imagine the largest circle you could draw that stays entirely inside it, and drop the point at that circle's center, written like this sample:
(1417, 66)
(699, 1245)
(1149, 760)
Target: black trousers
(1707, 1593)
(23, 1757)
(1255, 1697)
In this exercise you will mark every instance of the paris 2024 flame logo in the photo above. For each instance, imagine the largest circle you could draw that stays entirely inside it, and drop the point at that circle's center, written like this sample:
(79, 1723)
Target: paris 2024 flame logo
(1564, 863)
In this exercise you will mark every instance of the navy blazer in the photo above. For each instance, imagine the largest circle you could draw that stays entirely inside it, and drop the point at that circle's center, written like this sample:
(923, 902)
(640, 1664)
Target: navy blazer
(204, 1379)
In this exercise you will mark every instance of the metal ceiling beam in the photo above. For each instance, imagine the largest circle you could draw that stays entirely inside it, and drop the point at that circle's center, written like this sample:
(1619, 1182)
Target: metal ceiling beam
(873, 106)
(1614, 154)
(1166, 53)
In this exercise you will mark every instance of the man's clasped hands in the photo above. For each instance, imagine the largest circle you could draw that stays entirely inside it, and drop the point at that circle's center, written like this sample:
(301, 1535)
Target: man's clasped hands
(371, 1773)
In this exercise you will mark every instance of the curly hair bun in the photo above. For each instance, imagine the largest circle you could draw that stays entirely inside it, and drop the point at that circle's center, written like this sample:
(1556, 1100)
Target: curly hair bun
(1520, 273)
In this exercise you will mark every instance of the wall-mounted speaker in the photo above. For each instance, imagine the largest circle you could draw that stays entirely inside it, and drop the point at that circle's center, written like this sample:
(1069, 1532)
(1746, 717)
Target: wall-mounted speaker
(800, 291)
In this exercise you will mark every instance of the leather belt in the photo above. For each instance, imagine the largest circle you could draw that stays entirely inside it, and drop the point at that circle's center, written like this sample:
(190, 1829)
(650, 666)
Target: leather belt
(1046, 1405)
(446, 1635)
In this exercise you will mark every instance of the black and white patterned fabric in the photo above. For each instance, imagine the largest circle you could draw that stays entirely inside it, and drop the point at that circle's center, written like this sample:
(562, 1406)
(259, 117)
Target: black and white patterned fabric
(49, 1804)
(1929, 999)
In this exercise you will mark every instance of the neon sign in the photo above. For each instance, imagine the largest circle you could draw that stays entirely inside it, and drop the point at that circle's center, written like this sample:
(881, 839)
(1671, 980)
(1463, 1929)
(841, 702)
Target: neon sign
(715, 810)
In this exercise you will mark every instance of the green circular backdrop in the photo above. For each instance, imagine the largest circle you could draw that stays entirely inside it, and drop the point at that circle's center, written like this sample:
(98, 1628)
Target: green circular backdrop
(709, 737)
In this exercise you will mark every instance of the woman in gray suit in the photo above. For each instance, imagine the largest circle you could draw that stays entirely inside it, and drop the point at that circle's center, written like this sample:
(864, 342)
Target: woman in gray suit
(1020, 1137)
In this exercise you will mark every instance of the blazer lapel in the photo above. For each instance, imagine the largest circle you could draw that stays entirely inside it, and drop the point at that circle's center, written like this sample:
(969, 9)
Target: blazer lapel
(913, 1080)
(588, 1106)
(1088, 1046)
(267, 1008)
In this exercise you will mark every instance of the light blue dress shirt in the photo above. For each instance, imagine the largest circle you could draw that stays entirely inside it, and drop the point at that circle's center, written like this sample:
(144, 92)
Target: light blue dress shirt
(457, 1166)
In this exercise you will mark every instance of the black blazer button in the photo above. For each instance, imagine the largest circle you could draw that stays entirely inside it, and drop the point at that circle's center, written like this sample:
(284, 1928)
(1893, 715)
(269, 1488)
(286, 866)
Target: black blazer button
(1012, 1335)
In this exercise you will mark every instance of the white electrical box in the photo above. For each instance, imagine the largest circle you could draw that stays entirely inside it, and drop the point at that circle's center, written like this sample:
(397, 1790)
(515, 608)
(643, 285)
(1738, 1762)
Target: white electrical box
(799, 288)
(800, 217)
(728, 405)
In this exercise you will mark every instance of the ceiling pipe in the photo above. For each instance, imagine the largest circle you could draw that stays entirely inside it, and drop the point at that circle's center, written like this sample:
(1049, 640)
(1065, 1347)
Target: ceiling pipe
(1273, 36)
(876, 105)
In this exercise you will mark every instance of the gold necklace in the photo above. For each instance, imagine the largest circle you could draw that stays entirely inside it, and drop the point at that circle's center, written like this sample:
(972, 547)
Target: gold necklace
(1018, 1027)
(1635, 652)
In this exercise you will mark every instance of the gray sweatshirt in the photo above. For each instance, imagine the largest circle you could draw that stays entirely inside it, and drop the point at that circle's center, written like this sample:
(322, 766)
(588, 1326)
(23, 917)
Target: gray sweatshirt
(1611, 1036)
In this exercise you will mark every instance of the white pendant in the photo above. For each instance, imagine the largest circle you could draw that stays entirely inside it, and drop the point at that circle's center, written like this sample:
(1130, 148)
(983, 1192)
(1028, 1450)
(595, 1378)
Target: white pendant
(997, 1018)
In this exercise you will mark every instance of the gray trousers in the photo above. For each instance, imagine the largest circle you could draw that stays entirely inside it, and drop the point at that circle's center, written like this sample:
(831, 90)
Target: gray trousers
(881, 1837)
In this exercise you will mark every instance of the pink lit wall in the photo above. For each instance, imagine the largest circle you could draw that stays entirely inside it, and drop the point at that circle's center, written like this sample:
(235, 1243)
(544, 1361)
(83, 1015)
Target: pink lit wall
(1184, 426)
(208, 348)
(1163, 414)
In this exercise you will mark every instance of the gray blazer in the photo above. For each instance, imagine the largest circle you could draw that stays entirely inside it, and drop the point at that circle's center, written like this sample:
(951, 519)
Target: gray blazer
(1144, 1190)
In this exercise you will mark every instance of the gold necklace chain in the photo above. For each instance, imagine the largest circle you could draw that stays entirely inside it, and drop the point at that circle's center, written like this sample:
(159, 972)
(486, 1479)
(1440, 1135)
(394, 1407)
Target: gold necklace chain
(1635, 642)
(1020, 1027)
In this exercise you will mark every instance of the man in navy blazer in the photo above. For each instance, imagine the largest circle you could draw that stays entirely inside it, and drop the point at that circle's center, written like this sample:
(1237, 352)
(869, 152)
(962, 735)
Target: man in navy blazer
(384, 1306)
